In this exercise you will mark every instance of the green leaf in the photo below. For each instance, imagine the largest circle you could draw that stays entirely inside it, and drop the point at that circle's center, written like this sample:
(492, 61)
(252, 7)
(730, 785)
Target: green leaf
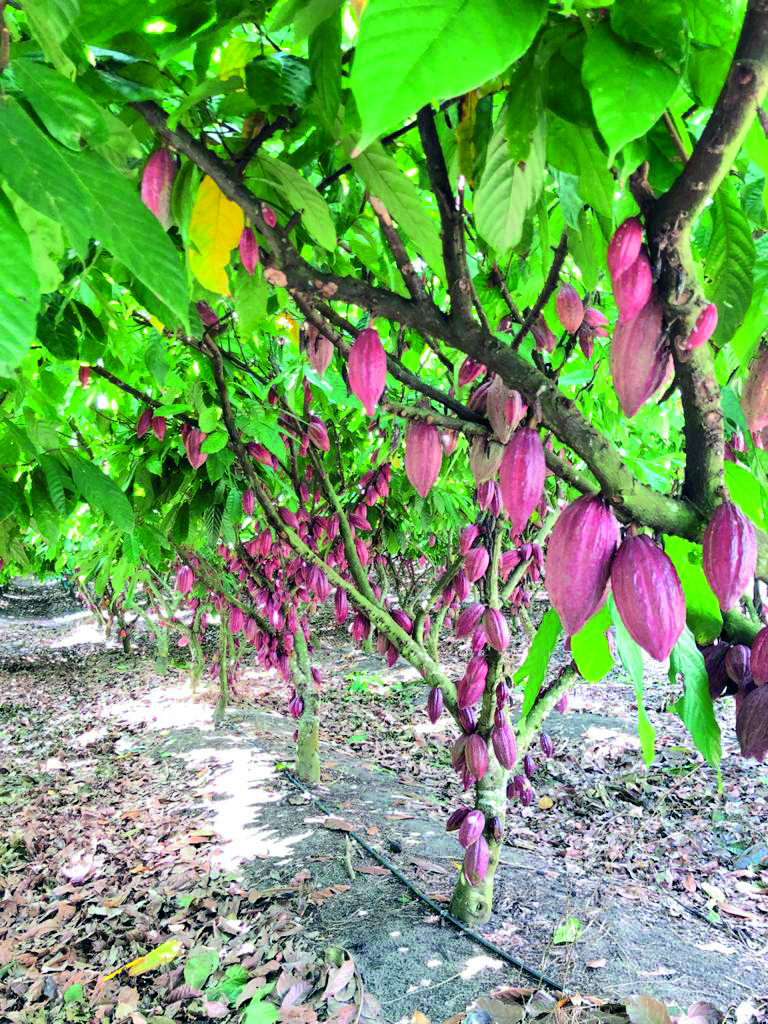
(126, 227)
(35, 168)
(68, 114)
(10, 497)
(251, 294)
(57, 330)
(101, 492)
(403, 201)
(657, 24)
(508, 189)
(534, 668)
(51, 22)
(729, 262)
(57, 478)
(631, 658)
(569, 931)
(156, 359)
(702, 611)
(74, 993)
(19, 288)
(45, 240)
(590, 649)
(259, 1012)
(574, 149)
(300, 195)
(524, 108)
(629, 87)
(408, 55)
(744, 489)
(282, 81)
(200, 966)
(215, 442)
(325, 65)
(695, 705)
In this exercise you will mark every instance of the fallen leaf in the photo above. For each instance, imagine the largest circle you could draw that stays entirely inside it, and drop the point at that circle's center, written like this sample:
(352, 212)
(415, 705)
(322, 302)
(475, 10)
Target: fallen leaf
(595, 964)
(546, 803)
(339, 979)
(372, 869)
(428, 865)
(338, 825)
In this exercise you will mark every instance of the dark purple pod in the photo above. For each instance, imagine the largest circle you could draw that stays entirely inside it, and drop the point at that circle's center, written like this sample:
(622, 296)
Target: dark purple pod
(504, 746)
(759, 658)
(526, 797)
(495, 829)
(476, 861)
(435, 704)
(737, 664)
(717, 677)
(729, 554)
(752, 723)
(529, 766)
(455, 821)
(546, 744)
(467, 719)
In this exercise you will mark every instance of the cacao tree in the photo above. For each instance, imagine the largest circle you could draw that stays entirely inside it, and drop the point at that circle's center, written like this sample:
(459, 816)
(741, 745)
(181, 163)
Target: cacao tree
(296, 312)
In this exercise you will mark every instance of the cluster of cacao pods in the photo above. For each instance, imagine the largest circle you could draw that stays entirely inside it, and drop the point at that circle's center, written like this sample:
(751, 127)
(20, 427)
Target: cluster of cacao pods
(742, 672)
(587, 323)
(148, 420)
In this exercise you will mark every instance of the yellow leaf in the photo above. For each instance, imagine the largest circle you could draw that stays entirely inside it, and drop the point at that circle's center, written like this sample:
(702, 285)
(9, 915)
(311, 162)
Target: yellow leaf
(156, 323)
(215, 226)
(156, 957)
(291, 326)
(210, 275)
(237, 53)
(546, 803)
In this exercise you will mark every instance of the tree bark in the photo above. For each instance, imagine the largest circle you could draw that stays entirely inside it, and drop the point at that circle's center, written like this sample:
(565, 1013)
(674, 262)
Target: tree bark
(308, 746)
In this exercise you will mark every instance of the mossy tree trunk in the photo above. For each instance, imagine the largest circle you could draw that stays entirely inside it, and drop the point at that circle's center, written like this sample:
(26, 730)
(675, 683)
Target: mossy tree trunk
(308, 746)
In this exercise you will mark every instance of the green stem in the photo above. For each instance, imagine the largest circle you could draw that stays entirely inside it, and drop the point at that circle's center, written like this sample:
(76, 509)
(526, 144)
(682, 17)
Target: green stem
(221, 705)
(307, 749)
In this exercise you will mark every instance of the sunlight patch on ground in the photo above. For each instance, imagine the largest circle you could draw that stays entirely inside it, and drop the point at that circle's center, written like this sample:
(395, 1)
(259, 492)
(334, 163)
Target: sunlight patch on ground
(164, 707)
(476, 964)
(88, 632)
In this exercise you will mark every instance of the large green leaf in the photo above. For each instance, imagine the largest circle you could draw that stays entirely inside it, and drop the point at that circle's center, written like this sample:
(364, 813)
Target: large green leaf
(19, 288)
(574, 149)
(325, 65)
(299, 194)
(46, 241)
(534, 668)
(125, 226)
(281, 81)
(695, 705)
(508, 189)
(631, 658)
(69, 115)
(629, 87)
(34, 166)
(590, 648)
(51, 22)
(729, 262)
(386, 181)
(102, 492)
(702, 611)
(657, 24)
(409, 54)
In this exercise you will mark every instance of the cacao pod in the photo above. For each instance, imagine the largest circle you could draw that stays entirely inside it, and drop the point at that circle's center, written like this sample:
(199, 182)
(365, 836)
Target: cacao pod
(468, 619)
(467, 720)
(754, 397)
(157, 183)
(484, 458)
(341, 605)
(570, 308)
(455, 820)
(703, 329)
(144, 423)
(472, 684)
(514, 409)
(269, 215)
(546, 744)
(562, 704)
(249, 251)
(736, 663)
(526, 797)
(458, 761)
(624, 247)
(471, 828)
(318, 434)
(752, 724)
(449, 439)
(542, 335)
(192, 445)
(717, 678)
(519, 784)
(475, 564)
(640, 358)
(461, 585)
(236, 620)
(497, 397)
(84, 376)
(521, 476)
(729, 554)
(529, 766)
(467, 538)
(248, 502)
(495, 828)
(404, 621)
(470, 370)
(581, 548)
(504, 745)
(159, 427)
(496, 629)
(632, 290)
(423, 455)
(185, 579)
(476, 754)
(367, 368)
(758, 661)
(319, 352)
(648, 595)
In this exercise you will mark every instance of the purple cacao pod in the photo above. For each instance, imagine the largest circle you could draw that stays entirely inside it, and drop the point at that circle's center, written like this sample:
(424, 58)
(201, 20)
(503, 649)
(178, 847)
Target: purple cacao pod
(467, 538)
(469, 371)
(754, 397)
(236, 619)
(461, 585)
(758, 661)
(542, 335)
(752, 723)
(318, 434)
(717, 678)
(458, 760)
(476, 754)
(471, 686)
(467, 720)
(502, 694)
(478, 641)
(496, 629)
(521, 476)
(703, 329)
(504, 746)
(423, 455)
(159, 427)
(529, 766)
(192, 445)
(497, 398)
(495, 828)
(648, 595)
(476, 563)
(367, 368)
(632, 290)
(157, 183)
(519, 784)
(454, 822)
(476, 861)
(144, 423)
(729, 554)
(485, 456)
(471, 828)
(319, 352)
(736, 663)
(185, 579)
(249, 251)
(84, 376)
(296, 707)
(562, 704)
(248, 502)
(341, 605)
(468, 619)
(449, 439)
(403, 620)
(640, 358)
(546, 744)
(526, 797)
(624, 247)
(514, 409)
(579, 554)
(570, 308)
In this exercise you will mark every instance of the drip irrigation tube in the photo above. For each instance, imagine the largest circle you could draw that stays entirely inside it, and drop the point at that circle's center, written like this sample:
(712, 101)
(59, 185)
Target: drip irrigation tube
(474, 936)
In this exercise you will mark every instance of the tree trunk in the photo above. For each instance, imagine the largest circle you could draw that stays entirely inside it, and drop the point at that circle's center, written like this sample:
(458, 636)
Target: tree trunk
(221, 704)
(473, 904)
(307, 748)
(161, 652)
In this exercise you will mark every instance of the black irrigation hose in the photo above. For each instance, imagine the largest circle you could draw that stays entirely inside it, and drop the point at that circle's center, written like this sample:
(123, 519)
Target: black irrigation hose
(530, 971)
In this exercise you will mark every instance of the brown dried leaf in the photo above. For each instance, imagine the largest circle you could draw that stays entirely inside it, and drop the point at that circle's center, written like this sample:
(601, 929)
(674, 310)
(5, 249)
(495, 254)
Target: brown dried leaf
(339, 979)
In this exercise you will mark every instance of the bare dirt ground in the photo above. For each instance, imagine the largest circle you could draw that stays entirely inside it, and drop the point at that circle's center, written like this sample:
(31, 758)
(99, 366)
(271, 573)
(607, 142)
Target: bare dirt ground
(127, 820)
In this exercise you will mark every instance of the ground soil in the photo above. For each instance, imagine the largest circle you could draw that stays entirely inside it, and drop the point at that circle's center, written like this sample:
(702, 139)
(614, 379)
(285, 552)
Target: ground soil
(120, 801)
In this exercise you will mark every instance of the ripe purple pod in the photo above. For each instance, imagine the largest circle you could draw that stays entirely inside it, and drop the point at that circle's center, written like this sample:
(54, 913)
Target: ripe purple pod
(703, 329)
(341, 605)
(476, 754)
(624, 247)
(633, 289)
(497, 398)
(752, 723)
(467, 720)
(469, 371)
(144, 423)
(449, 439)
(521, 476)
(717, 678)
(236, 619)
(546, 744)
(496, 629)
(269, 215)
(249, 251)
(729, 554)
(471, 828)
(248, 502)
(468, 619)
(758, 662)
(455, 820)
(754, 396)
(542, 335)
(367, 368)
(579, 555)
(319, 351)
(423, 455)
(640, 358)
(479, 641)
(499, 718)
(476, 861)
(504, 745)
(526, 797)
(475, 564)
(458, 760)
(185, 579)
(159, 427)
(648, 595)
(193, 446)
(403, 620)
(529, 766)
(157, 183)
(318, 434)
(288, 517)
(296, 707)
(84, 376)
(570, 308)
(736, 663)
(519, 784)
(467, 538)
